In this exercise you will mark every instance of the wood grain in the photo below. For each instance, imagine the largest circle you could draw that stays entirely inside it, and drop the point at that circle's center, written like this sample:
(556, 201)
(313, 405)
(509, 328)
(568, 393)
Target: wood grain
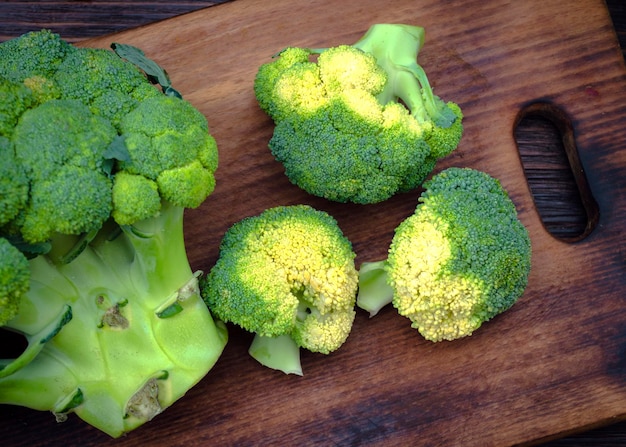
(80, 19)
(553, 364)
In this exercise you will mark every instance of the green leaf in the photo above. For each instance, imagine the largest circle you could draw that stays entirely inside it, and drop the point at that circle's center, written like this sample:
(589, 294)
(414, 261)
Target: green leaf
(117, 151)
(155, 73)
(29, 250)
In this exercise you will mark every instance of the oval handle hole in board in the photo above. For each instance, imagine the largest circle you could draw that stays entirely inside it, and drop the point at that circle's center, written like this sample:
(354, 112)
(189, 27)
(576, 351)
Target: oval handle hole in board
(545, 140)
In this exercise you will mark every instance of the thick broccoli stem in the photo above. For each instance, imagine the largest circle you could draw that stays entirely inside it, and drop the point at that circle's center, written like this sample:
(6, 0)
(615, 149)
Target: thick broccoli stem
(396, 48)
(280, 353)
(374, 289)
(140, 335)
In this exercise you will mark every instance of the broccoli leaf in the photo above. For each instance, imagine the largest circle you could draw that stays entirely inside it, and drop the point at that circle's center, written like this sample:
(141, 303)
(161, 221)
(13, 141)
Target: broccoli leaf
(155, 73)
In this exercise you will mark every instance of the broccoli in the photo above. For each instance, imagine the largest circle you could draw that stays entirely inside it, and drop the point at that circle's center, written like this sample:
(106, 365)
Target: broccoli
(14, 280)
(462, 258)
(96, 171)
(357, 123)
(288, 276)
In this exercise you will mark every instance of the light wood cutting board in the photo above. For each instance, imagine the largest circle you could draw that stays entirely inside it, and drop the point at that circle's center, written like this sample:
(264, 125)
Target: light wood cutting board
(555, 363)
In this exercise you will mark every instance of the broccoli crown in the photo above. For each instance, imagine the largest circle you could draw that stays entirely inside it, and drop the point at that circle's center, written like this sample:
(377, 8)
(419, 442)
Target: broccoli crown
(360, 123)
(461, 258)
(74, 119)
(287, 271)
(96, 168)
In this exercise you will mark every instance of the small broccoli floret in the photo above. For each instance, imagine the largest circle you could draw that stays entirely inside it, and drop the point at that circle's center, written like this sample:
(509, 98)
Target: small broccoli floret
(360, 123)
(168, 141)
(16, 99)
(134, 198)
(60, 144)
(94, 273)
(288, 276)
(14, 280)
(38, 53)
(43, 89)
(104, 82)
(13, 183)
(268, 75)
(462, 258)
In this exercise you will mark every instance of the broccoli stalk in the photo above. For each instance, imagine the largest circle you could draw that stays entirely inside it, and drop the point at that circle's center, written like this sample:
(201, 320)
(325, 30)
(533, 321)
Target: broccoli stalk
(396, 49)
(461, 259)
(117, 334)
(374, 289)
(278, 352)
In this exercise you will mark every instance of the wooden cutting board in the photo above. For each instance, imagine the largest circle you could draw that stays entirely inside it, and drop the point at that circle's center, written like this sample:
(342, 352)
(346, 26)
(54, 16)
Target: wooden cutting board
(555, 363)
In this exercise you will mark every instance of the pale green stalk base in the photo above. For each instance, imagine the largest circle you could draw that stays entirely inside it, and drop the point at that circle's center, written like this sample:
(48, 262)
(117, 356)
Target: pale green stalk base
(139, 336)
(280, 353)
(374, 290)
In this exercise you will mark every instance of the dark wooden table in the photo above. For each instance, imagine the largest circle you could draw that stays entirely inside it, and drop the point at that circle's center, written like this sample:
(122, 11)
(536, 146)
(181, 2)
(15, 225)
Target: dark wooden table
(537, 139)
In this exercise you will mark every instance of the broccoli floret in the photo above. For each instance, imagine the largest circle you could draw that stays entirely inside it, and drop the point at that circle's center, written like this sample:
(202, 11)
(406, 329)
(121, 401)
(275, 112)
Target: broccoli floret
(269, 73)
(151, 131)
(129, 190)
(94, 271)
(37, 53)
(61, 146)
(13, 183)
(288, 276)
(462, 258)
(14, 280)
(357, 123)
(111, 87)
(16, 99)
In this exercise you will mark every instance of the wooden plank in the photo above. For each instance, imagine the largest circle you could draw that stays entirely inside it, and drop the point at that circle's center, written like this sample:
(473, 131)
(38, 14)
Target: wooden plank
(552, 364)
(77, 20)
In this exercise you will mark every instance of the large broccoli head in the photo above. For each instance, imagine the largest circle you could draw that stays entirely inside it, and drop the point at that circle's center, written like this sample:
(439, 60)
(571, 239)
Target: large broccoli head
(287, 272)
(358, 122)
(97, 167)
(460, 259)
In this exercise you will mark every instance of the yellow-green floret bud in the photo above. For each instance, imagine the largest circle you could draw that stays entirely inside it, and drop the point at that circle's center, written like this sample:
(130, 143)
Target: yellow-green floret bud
(269, 73)
(135, 198)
